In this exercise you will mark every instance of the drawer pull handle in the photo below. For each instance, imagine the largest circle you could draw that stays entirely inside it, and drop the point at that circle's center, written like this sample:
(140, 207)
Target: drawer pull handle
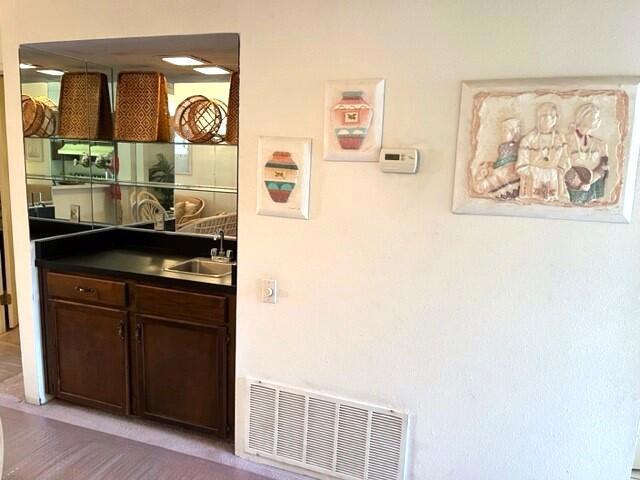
(84, 290)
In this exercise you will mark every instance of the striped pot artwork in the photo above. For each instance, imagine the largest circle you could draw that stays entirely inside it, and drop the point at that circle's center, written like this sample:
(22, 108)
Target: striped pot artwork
(352, 117)
(280, 176)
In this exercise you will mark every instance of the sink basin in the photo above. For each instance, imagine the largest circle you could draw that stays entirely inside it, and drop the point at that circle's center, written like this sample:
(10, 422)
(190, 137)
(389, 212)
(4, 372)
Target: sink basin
(201, 266)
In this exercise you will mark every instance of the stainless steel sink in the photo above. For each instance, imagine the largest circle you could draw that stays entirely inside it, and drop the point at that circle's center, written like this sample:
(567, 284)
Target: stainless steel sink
(201, 266)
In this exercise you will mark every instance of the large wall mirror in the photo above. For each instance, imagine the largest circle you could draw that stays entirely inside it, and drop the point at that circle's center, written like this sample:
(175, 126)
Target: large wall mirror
(90, 158)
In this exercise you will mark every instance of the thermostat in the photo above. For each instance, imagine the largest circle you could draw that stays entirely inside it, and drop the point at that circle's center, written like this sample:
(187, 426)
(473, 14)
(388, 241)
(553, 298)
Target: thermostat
(399, 160)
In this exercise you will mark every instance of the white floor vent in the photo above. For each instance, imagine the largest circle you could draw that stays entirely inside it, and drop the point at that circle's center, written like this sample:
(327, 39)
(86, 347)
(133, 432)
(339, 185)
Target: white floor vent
(332, 436)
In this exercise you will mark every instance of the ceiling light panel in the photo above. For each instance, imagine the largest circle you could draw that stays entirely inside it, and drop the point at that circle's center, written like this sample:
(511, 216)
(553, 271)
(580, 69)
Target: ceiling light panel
(183, 61)
(55, 73)
(214, 70)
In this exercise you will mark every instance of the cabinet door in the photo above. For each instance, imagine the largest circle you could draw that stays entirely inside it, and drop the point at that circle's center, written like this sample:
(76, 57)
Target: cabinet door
(90, 343)
(182, 372)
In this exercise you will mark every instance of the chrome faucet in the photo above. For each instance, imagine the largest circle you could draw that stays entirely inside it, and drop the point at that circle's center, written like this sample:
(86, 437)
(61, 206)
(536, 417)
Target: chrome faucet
(220, 255)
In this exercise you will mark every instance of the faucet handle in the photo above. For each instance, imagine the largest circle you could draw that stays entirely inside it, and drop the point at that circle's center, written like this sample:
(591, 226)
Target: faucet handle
(214, 252)
(229, 254)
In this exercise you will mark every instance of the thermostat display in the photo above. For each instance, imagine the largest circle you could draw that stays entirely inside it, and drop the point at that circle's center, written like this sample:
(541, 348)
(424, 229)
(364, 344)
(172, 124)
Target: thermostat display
(399, 160)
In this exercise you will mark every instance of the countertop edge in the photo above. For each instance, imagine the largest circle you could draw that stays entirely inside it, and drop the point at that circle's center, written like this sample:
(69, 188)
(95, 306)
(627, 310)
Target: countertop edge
(62, 265)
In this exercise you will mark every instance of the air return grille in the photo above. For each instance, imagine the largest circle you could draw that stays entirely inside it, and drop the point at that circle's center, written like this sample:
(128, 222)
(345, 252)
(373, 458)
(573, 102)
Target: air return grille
(327, 435)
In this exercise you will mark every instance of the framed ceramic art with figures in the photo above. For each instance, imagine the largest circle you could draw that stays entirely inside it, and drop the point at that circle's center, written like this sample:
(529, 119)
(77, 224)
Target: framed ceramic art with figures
(284, 172)
(353, 112)
(562, 148)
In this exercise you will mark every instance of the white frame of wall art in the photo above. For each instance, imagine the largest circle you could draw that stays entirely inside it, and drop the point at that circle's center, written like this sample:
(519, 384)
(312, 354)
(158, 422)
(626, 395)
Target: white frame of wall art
(353, 116)
(284, 173)
(34, 149)
(564, 148)
(182, 159)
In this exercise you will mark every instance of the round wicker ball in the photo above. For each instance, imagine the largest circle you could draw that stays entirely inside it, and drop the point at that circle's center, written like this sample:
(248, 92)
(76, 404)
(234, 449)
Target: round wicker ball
(49, 120)
(38, 116)
(32, 115)
(198, 119)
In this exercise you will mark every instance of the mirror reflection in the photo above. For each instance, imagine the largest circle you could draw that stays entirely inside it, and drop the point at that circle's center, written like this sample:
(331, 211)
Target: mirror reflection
(84, 161)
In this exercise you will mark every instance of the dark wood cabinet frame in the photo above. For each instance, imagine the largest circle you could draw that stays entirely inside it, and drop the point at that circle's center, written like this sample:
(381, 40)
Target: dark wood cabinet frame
(105, 311)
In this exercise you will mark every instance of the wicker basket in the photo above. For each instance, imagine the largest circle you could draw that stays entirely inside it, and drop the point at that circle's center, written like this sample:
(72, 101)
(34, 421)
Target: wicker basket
(85, 109)
(142, 110)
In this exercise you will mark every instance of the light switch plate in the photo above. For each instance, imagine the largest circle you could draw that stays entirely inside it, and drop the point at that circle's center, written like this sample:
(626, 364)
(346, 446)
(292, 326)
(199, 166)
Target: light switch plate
(158, 221)
(269, 291)
(74, 213)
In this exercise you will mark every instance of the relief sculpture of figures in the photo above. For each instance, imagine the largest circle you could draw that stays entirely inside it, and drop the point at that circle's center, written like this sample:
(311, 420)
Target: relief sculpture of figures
(562, 148)
(585, 179)
(543, 158)
(499, 178)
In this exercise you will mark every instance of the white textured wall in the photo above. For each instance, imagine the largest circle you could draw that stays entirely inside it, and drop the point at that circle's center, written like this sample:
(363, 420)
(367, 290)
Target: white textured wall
(513, 342)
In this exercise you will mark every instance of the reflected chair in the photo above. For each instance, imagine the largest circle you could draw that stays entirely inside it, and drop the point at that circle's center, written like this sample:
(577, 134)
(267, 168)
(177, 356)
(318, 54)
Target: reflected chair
(147, 209)
(135, 198)
(188, 209)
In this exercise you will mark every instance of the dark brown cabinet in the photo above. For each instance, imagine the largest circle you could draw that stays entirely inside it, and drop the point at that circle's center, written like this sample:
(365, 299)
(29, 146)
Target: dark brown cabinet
(137, 349)
(182, 372)
(91, 354)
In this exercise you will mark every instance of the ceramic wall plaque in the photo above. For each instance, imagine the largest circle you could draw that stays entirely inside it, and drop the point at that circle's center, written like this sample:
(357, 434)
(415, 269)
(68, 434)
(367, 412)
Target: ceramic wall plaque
(284, 167)
(555, 148)
(353, 120)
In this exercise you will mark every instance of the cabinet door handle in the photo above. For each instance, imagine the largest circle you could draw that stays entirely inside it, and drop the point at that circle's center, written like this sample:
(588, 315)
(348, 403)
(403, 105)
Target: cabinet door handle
(139, 332)
(121, 329)
(84, 289)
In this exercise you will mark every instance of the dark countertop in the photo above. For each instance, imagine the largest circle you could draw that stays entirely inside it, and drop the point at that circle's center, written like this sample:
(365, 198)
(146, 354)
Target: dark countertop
(47, 227)
(137, 255)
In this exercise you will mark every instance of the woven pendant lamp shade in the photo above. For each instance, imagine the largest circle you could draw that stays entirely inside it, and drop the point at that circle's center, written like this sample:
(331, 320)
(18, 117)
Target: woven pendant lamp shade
(85, 108)
(233, 121)
(142, 110)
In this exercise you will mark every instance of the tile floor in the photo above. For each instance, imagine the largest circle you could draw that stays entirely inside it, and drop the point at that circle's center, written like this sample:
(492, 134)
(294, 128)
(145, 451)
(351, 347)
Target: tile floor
(152, 434)
(38, 447)
(11, 365)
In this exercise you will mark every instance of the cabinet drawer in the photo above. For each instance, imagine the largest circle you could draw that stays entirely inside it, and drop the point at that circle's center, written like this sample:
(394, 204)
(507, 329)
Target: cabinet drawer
(193, 307)
(74, 287)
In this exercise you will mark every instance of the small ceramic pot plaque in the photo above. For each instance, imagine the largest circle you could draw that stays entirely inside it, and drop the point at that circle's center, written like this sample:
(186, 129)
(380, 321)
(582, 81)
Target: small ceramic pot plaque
(280, 174)
(352, 117)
